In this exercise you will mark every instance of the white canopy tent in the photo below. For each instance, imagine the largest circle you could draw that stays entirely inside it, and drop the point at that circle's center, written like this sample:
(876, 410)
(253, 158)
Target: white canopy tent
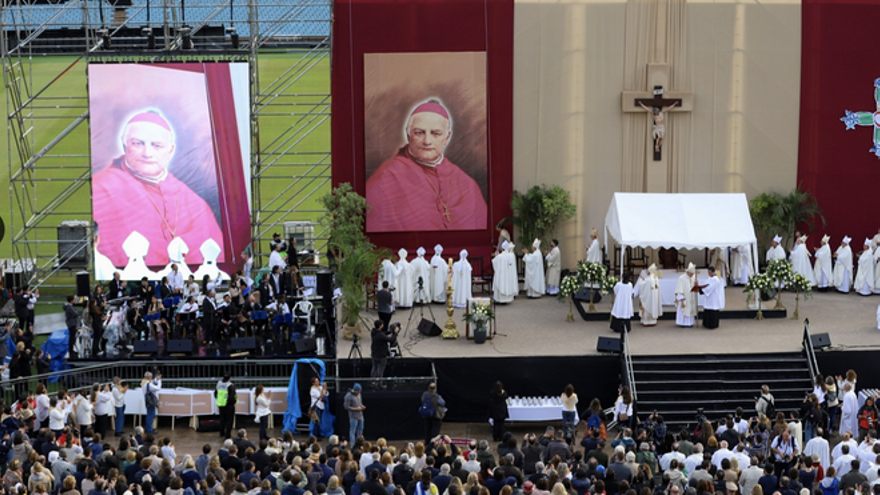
(681, 221)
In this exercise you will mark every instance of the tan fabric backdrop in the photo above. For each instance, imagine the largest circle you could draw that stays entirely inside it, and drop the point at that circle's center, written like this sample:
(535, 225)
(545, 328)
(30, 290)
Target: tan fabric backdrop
(574, 58)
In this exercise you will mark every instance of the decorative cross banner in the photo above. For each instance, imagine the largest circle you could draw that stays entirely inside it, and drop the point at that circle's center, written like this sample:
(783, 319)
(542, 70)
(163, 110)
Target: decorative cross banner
(852, 119)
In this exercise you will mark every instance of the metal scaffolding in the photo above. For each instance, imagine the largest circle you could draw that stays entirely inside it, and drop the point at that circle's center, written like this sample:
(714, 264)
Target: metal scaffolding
(47, 105)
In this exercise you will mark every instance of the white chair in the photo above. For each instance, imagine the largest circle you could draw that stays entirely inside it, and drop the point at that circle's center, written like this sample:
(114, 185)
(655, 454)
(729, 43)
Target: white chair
(307, 308)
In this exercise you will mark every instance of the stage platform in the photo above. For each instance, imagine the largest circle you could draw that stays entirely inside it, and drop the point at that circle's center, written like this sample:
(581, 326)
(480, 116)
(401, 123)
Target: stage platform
(537, 327)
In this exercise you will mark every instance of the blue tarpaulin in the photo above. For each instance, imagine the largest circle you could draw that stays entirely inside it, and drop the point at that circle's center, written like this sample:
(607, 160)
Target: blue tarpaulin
(56, 346)
(294, 411)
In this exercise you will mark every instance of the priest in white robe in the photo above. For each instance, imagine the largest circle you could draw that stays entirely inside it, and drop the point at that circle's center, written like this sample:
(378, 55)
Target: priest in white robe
(622, 311)
(714, 302)
(876, 269)
(422, 271)
(718, 259)
(503, 236)
(554, 268)
(686, 298)
(819, 446)
(534, 280)
(776, 252)
(505, 283)
(800, 260)
(864, 282)
(594, 252)
(843, 265)
(388, 273)
(439, 275)
(461, 280)
(741, 265)
(849, 411)
(405, 293)
(649, 296)
(822, 268)
(875, 241)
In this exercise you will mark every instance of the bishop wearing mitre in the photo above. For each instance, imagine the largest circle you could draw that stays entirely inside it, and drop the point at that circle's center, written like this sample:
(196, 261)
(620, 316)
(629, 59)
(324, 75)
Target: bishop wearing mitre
(686, 298)
(649, 295)
(535, 285)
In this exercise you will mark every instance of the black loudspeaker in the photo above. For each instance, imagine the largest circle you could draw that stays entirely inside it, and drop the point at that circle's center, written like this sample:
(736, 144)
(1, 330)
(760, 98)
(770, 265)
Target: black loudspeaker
(146, 347)
(820, 340)
(178, 346)
(608, 344)
(82, 284)
(429, 328)
(305, 346)
(13, 281)
(73, 243)
(244, 344)
(325, 282)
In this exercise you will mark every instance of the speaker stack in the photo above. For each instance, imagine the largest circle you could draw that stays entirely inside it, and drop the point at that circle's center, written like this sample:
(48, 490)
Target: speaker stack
(146, 348)
(82, 284)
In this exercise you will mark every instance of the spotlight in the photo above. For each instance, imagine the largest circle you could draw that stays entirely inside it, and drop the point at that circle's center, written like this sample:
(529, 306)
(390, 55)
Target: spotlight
(233, 37)
(151, 38)
(186, 38)
(105, 38)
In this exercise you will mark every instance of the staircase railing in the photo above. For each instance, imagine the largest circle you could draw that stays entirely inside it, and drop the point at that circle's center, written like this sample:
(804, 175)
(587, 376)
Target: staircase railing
(812, 362)
(628, 376)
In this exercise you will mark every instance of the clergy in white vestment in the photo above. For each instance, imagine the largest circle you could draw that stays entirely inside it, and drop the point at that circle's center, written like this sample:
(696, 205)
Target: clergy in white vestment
(819, 446)
(554, 267)
(800, 260)
(439, 275)
(534, 280)
(718, 259)
(503, 236)
(649, 296)
(849, 411)
(822, 269)
(461, 280)
(505, 283)
(422, 270)
(741, 265)
(714, 302)
(876, 269)
(875, 241)
(686, 298)
(406, 282)
(843, 265)
(136, 247)
(864, 281)
(776, 252)
(594, 252)
(622, 311)
(388, 273)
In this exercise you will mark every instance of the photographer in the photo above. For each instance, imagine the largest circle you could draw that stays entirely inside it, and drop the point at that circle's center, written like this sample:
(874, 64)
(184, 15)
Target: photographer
(379, 351)
(385, 304)
(784, 449)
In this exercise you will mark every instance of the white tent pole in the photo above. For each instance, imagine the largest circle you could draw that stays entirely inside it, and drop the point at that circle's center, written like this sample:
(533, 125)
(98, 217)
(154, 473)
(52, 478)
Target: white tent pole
(755, 257)
(622, 251)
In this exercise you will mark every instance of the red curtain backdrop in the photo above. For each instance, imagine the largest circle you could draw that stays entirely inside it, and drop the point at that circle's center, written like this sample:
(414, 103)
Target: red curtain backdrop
(383, 26)
(838, 68)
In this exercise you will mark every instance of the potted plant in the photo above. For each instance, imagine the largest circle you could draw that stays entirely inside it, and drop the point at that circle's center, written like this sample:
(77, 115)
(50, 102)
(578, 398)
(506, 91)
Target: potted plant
(537, 212)
(799, 285)
(591, 274)
(479, 316)
(567, 289)
(757, 284)
(357, 260)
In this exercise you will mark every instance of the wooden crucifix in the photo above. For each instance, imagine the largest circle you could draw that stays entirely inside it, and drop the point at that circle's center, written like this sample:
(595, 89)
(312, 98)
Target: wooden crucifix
(657, 102)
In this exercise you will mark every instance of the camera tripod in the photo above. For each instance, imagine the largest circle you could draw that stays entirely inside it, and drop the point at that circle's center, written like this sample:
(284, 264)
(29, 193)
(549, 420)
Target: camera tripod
(419, 294)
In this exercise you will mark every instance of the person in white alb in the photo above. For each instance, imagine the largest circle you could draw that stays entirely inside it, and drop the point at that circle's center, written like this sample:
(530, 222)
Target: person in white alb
(800, 260)
(775, 252)
(421, 270)
(405, 293)
(649, 295)
(741, 265)
(388, 273)
(843, 265)
(714, 302)
(718, 259)
(819, 447)
(534, 279)
(554, 266)
(439, 275)
(864, 282)
(822, 269)
(686, 298)
(505, 283)
(594, 252)
(622, 311)
(461, 280)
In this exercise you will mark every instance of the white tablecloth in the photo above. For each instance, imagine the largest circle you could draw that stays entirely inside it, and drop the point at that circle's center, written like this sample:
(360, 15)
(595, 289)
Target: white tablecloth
(536, 409)
(670, 279)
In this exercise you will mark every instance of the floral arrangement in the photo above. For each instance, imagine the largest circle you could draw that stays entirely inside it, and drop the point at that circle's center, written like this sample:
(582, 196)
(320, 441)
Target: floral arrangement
(608, 283)
(480, 313)
(802, 285)
(759, 282)
(590, 271)
(780, 272)
(568, 287)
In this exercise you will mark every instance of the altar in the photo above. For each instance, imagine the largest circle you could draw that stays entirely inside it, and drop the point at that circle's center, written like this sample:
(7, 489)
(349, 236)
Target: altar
(668, 281)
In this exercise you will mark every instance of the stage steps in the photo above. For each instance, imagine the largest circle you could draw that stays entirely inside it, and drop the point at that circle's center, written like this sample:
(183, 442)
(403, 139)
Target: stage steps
(676, 386)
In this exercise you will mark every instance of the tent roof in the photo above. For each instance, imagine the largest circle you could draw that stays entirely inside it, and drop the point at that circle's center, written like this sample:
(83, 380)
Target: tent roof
(683, 221)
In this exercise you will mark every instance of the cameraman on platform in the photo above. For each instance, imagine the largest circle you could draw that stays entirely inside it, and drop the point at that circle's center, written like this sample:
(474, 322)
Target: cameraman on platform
(379, 351)
(385, 304)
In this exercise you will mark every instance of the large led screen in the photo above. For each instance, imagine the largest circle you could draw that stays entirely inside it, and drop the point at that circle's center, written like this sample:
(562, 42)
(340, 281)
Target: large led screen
(170, 168)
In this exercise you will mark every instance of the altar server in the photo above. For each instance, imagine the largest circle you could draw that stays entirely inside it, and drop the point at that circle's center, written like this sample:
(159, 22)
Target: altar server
(554, 265)
(461, 280)
(741, 265)
(714, 302)
(405, 293)
(421, 270)
(649, 295)
(439, 274)
(776, 252)
(535, 285)
(800, 260)
(843, 266)
(594, 252)
(622, 311)
(822, 269)
(505, 283)
(864, 282)
(686, 298)
(849, 411)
